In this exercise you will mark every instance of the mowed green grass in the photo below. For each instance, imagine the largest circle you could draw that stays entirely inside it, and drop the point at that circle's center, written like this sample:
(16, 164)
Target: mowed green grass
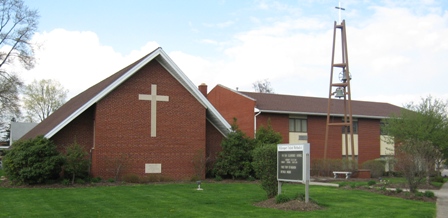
(183, 200)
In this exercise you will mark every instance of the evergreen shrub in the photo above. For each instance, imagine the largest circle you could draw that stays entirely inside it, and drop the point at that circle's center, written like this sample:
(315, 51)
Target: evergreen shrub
(33, 161)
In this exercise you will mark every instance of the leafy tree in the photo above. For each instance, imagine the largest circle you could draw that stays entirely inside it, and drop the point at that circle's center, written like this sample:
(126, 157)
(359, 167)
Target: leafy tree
(41, 98)
(33, 161)
(263, 86)
(420, 133)
(76, 161)
(235, 158)
(427, 121)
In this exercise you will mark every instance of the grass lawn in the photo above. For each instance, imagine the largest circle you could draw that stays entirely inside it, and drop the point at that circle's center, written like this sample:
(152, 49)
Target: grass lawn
(183, 200)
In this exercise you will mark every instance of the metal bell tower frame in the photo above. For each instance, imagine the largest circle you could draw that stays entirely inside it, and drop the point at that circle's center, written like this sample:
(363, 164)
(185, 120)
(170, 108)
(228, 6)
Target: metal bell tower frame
(340, 89)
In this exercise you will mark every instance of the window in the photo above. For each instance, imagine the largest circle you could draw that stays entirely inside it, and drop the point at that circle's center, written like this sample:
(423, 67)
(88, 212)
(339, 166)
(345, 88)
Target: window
(355, 128)
(297, 125)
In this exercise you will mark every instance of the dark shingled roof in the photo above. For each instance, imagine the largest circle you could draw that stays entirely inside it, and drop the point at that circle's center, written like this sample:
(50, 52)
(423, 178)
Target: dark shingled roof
(277, 103)
(80, 103)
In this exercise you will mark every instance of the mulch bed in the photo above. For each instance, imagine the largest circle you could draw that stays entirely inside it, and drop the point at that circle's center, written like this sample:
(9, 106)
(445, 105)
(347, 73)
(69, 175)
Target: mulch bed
(290, 205)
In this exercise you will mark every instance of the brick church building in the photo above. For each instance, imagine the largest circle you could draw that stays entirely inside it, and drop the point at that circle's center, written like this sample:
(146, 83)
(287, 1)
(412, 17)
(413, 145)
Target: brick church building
(148, 119)
(302, 119)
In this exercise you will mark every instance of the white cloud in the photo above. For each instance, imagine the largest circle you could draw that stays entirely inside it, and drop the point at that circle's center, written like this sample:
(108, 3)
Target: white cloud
(77, 59)
(396, 56)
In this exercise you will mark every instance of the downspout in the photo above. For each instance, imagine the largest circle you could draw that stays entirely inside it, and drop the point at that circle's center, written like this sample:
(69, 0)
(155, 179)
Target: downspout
(91, 150)
(257, 112)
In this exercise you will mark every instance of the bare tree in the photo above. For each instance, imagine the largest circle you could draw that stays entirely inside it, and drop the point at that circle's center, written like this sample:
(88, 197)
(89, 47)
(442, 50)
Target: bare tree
(41, 98)
(9, 99)
(17, 26)
(263, 86)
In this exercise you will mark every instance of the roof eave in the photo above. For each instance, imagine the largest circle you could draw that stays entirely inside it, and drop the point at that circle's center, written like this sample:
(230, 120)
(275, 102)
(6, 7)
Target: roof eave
(320, 114)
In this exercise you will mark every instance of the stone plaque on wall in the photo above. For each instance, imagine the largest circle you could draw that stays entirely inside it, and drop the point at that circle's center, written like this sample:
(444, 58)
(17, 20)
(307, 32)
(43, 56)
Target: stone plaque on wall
(153, 168)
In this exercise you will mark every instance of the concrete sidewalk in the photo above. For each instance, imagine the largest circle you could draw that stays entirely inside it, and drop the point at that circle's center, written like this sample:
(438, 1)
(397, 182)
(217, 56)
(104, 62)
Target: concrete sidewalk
(442, 201)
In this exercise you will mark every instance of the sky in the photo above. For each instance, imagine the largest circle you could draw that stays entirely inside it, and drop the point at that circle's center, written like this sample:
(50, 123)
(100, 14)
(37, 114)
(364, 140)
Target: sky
(397, 50)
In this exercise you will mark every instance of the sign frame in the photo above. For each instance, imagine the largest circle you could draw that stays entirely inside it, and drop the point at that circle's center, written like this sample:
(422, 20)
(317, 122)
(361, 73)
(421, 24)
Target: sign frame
(293, 150)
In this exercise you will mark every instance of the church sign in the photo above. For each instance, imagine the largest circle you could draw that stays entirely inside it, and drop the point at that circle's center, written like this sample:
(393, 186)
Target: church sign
(292, 162)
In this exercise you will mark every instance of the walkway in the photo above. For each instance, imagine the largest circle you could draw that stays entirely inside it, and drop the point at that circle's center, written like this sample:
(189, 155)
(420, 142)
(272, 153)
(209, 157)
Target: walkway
(442, 201)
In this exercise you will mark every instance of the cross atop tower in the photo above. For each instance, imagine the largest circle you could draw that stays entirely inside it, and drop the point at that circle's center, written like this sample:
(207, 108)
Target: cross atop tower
(340, 9)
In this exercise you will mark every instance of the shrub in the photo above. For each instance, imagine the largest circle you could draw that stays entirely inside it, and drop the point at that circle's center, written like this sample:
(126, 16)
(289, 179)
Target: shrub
(265, 166)
(131, 178)
(437, 178)
(371, 182)
(267, 135)
(218, 178)
(33, 161)
(376, 168)
(418, 194)
(399, 190)
(300, 197)
(65, 182)
(80, 181)
(281, 198)
(76, 162)
(96, 180)
(429, 194)
(235, 158)
(111, 180)
(321, 167)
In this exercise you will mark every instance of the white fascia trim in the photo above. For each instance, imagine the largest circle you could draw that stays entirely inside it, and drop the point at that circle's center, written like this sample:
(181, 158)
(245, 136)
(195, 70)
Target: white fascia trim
(189, 85)
(219, 130)
(321, 114)
(103, 93)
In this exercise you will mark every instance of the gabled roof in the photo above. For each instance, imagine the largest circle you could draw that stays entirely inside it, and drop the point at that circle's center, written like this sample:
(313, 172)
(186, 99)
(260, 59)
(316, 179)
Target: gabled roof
(301, 105)
(78, 104)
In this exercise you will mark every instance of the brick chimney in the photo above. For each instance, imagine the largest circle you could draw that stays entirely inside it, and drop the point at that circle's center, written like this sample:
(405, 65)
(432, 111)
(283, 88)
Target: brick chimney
(203, 89)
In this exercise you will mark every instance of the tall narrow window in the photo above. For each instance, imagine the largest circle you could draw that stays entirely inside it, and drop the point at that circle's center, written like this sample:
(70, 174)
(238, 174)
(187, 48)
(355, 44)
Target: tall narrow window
(355, 128)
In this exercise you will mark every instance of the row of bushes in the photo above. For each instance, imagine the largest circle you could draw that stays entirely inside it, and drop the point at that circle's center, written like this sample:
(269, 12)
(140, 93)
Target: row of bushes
(37, 161)
(321, 167)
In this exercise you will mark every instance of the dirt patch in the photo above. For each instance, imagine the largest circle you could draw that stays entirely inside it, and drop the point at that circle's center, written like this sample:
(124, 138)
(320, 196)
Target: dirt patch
(290, 205)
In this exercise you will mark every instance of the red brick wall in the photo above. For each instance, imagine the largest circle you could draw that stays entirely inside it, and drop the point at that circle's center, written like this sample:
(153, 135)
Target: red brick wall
(214, 139)
(122, 128)
(279, 122)
(80, 130)
(231, 105)
(316, 138)
(368, 140)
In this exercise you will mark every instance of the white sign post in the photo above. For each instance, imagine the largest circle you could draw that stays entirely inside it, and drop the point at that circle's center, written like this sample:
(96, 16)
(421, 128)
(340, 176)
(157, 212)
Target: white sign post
(293, 165)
